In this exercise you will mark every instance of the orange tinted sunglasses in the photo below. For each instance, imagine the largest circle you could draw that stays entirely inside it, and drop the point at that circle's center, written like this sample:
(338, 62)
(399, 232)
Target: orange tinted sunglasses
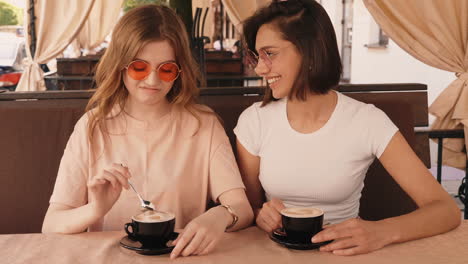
(140, 70)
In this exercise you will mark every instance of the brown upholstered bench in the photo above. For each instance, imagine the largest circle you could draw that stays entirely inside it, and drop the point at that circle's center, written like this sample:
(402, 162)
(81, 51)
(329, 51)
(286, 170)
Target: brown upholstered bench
(34, 133)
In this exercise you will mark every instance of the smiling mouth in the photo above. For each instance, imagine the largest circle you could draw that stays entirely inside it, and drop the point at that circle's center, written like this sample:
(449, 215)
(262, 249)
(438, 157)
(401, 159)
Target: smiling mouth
(273, 80)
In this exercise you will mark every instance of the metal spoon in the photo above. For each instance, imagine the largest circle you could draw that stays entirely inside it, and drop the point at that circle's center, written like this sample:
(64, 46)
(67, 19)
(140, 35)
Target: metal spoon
(144, 203)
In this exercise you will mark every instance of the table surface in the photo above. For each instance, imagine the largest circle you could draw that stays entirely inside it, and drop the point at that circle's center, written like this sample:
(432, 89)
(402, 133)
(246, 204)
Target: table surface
(247, 246)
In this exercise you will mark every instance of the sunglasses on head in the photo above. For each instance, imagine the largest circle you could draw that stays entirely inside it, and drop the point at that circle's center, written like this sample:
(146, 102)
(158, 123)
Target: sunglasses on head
(140, 70)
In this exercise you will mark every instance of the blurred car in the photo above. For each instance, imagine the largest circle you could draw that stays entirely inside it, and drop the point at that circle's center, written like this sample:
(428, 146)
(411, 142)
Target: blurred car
(12, 55)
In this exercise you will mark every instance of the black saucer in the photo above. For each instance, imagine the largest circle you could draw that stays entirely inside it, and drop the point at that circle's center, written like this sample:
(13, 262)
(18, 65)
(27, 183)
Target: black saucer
(280, 237)
(136, 246)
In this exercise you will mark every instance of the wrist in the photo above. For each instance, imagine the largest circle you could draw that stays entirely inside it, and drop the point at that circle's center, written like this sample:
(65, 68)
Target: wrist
(231, 216)
(391, 230)
(96, 211)
(222, 214)
(256, 211)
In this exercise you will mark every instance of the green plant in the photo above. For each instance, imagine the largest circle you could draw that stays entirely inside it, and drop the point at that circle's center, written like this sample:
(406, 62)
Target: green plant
(129, 4)
(182, 7)
(8, 14)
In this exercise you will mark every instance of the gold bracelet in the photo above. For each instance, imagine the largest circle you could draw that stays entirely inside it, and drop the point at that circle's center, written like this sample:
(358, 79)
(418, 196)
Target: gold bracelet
(235, 218)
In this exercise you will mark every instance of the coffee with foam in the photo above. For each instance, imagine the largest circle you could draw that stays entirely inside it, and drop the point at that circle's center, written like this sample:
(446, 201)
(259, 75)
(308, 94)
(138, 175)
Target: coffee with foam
(154, 217)
(302, 212)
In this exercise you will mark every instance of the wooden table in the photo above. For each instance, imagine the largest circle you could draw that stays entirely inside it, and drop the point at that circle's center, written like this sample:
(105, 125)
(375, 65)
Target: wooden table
(247, 246)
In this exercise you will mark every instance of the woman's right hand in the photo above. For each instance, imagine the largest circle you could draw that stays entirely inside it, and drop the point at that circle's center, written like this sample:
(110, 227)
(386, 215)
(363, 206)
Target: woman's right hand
(105, 188)
(269, 217)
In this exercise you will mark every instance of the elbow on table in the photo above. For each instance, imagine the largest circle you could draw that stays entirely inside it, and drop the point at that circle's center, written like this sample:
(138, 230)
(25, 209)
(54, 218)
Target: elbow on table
(449, 212)
(47, 227)
(455, 216)
(50, 227)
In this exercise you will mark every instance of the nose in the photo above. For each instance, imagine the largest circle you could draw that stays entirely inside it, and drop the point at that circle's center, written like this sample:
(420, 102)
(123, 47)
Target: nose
(261, 68)
(152, 79)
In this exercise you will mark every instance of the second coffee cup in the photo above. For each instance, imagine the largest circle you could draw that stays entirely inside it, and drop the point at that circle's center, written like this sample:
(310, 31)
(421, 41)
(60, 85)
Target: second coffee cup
(301, 223)
(151, 228)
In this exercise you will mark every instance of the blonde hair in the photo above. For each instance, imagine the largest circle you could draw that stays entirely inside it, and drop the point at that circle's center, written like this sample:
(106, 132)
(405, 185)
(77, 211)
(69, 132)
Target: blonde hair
(134, 30)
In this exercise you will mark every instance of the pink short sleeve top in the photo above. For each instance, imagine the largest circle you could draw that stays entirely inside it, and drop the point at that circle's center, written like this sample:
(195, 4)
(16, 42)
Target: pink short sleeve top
(176, 162)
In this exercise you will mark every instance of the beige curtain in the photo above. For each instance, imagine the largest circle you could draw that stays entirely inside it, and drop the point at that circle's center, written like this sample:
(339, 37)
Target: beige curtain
(100, 22)
(436, 33)
(57, 24)
(209, 24)
(238, 10)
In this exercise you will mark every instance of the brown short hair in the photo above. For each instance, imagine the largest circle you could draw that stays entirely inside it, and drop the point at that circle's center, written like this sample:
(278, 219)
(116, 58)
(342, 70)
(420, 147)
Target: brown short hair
(306, 24)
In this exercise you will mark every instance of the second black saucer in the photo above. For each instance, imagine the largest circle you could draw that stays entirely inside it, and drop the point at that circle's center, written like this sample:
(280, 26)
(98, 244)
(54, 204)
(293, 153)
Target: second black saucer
(136, 246)
(279, 237)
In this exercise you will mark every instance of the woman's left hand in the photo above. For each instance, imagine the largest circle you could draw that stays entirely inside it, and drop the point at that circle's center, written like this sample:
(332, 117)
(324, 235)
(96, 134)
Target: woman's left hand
(354, 236)
(201, 235)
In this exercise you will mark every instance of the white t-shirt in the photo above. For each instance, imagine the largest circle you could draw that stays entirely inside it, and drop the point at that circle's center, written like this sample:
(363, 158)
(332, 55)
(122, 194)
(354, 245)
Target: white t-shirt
(324, 169)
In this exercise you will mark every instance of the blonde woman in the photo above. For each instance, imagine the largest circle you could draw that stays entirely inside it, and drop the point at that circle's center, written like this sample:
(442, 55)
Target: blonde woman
(175, 152)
